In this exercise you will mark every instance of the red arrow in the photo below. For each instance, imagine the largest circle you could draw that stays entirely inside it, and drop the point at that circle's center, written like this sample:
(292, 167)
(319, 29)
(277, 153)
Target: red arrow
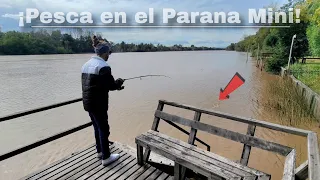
(234, 84)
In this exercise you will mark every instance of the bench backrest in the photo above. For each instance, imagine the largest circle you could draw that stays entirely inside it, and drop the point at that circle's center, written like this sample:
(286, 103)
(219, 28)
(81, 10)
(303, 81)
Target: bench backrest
(235, 136)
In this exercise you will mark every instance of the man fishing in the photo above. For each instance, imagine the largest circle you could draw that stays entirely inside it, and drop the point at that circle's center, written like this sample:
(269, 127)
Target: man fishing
(97, 81)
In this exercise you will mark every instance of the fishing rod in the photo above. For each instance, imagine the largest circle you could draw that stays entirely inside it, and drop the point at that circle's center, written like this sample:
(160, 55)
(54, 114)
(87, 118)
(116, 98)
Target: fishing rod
(140, 77)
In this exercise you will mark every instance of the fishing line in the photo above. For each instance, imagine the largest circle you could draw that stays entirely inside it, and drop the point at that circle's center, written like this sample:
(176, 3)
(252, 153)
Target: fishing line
(140, 77)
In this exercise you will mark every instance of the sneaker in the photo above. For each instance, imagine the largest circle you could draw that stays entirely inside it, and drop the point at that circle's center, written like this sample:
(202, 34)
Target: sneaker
(99, 156)
(111, 159)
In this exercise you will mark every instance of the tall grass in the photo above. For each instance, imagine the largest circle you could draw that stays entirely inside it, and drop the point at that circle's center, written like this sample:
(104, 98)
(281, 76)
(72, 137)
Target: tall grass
(286, 103)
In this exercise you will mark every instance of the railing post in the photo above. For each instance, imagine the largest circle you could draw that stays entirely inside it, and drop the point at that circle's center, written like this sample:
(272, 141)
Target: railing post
(193, 132)
(192, 137)
(247, 149)
(155, 126)
(313, 157)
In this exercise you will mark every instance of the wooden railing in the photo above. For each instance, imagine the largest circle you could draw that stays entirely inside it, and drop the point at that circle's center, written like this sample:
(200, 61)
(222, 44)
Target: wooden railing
(309, 169)
(58, 135)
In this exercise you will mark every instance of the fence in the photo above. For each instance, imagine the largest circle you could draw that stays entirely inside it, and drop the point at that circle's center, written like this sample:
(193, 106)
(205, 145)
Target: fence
(311, 97)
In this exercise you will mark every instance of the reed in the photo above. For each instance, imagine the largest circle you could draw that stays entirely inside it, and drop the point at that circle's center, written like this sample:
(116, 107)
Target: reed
(286, 103)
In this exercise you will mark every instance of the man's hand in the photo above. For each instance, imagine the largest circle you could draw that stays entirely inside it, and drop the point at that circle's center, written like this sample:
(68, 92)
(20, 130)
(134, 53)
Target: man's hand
(120, 82)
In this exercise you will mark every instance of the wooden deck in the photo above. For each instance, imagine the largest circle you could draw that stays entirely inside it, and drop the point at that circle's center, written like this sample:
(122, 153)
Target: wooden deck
(85, 165)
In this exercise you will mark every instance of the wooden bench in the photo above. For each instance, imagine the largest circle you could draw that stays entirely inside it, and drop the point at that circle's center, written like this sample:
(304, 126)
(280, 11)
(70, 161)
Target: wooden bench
(200, 161)
(187, 156)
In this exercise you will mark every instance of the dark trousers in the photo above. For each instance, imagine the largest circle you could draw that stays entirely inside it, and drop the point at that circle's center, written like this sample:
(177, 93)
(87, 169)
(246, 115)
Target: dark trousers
(101, 132)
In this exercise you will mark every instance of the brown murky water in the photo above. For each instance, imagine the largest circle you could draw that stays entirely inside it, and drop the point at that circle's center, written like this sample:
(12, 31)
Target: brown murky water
(196, 78)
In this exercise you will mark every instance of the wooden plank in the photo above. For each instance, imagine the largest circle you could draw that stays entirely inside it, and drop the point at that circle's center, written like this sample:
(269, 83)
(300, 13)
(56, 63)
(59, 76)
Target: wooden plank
(155, 128)
(207, 154)
(251, 121)
(170, 178)
(139, 173)
(289, 166)
(177, 171)
(93, 172)
(154, 175)
(235, 136)
(147, 173)
(264, 177)
(177, 145)
(250, 178)
(183, 159)
(163, 176)
(302, 171)
(122, 171)
(58, 164)
(123, 165)
(105, 170)
(193, 132)
(63, 169)
(73, 169)
(247, 149)
(313, 157)
(156, 119)
(132, 171)
(83, 169)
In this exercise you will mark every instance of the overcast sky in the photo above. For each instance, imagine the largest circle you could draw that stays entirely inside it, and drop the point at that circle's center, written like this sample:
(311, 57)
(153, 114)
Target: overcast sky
(217, 37)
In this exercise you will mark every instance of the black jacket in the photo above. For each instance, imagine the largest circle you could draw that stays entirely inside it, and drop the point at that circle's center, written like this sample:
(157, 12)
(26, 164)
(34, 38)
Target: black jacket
(97, 81)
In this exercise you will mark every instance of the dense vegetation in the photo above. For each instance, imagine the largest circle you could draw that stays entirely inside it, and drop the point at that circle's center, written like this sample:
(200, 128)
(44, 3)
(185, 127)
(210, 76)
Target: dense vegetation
(55, 42)
(278, 40)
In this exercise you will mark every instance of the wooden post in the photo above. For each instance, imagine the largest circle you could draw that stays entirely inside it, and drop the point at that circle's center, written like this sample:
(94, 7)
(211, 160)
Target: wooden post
(313, 157)
(140, 154)
(193, 133)
(247, 149)
(155, 126)
(289, 166)
(192, 137)
(177, 171)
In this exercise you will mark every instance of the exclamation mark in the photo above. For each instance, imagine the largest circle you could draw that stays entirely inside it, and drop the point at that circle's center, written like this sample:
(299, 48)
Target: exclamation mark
(21, 23)
(297, 15)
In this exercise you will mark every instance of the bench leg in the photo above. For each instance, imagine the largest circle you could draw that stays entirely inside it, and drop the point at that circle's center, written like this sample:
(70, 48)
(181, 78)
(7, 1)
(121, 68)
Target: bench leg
(183, 172)
(140, 154)
(177, 171)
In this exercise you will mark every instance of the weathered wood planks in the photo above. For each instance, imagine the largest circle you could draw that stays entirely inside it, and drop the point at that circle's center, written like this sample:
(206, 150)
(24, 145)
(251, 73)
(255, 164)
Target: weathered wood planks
(194, 158)
(85, 165)
(182, 158)
(235, 136)
(213, 158)
(289, 166)
(313, 157)
(247, 149)
(251, 121)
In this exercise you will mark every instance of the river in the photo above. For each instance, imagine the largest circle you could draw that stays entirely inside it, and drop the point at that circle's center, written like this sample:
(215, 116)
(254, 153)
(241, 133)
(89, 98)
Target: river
(195, 78)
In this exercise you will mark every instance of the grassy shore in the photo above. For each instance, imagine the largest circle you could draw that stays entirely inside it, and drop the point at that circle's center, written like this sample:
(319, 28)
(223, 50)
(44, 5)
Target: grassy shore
(286, 104)
(308, 73)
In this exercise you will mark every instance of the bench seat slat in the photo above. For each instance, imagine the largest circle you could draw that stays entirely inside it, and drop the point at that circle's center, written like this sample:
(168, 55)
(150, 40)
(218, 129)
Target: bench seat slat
(184, 158)
(235, 136)
(207, 154)
(177, 144)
